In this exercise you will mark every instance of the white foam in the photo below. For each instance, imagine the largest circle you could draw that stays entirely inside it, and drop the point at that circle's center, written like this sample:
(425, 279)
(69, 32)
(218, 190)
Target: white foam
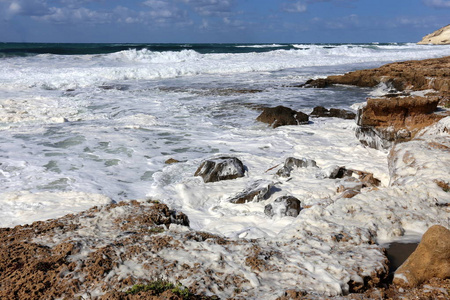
(25, 207)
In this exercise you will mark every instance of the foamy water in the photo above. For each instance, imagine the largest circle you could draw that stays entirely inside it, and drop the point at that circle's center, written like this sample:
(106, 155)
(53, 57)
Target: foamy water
(101, 126)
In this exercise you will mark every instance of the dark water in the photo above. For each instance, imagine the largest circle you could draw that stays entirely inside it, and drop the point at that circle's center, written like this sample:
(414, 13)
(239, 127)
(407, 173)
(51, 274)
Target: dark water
(397, 253)
(26, 49)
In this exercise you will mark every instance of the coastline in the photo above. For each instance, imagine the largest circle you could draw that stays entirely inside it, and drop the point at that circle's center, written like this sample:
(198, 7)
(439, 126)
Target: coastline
(57, 246)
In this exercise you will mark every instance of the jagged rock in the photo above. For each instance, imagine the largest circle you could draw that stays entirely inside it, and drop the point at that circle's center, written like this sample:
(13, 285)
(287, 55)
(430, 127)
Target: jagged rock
(439, 37)
(280, 116)
(256, 191)
(292, 162)
(284, 206)
(220, 168)
(430, 259)
(317, 83)
(320, 111)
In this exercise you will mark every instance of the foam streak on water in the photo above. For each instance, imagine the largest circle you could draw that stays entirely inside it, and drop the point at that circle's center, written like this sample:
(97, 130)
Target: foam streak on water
(96, 126)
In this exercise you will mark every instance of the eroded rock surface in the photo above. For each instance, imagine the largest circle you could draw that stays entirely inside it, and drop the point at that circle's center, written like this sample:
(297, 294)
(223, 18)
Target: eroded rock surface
(104, 251)
(400, 114)
(384, 121)
(281, 116)
(430, 259)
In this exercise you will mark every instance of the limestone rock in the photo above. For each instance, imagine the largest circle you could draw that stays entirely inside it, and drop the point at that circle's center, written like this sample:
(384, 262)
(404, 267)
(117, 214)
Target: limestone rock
(284, 206)
(320, 111)
(220, 168)
(430, 259)
(280, 116)
(256, 191)
(408, 75)
(292, 162)
(384, 121)
(439, 37)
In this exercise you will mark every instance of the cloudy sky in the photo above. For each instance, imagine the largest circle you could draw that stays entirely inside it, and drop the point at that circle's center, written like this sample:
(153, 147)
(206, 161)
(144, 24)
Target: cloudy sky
(221, 21)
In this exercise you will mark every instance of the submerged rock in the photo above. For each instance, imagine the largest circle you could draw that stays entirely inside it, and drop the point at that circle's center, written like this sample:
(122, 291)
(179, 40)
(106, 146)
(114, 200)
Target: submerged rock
(320, 111)
(292, 162)
(339, 172)
(284, 206)
(280, 116)
(220, 168)
(256, 191)
(430, 259)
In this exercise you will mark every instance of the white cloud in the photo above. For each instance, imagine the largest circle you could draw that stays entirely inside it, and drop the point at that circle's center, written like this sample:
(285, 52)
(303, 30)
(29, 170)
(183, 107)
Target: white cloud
(78, 15)
(437, 3)
(296, 7)
(211, 7)
(28, 7)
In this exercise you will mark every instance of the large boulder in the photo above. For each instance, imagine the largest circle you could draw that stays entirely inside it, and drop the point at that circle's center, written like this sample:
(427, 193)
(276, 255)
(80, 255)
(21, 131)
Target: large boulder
(280, 116)
(384, 121)
(439, 37)
(220, 168)
(430, 259)
(284, 206)
(320, 111)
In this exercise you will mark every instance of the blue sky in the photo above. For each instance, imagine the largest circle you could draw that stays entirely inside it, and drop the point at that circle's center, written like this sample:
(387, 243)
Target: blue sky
(221, 21)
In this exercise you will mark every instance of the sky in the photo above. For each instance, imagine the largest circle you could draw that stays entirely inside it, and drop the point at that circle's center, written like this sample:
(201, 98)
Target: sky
(220, 21)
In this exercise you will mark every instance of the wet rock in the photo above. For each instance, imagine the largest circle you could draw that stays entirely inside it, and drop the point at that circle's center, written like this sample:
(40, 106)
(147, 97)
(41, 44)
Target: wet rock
(284, 206)
(317, 83)
(280, 116)
(320, 111)
(256, 191)
(383, 121)
(339, 172)
(430, 259)
(220, 168)
(291, 163)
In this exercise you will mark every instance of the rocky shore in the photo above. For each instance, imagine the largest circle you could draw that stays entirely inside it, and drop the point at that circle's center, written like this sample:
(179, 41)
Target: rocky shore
(145, 250)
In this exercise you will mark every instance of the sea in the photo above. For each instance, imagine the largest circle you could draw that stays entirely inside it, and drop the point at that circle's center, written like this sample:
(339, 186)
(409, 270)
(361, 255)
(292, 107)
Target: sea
(89, 124)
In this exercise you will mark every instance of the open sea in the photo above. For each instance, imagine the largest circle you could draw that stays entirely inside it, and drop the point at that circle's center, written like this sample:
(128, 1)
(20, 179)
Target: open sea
(87, 124)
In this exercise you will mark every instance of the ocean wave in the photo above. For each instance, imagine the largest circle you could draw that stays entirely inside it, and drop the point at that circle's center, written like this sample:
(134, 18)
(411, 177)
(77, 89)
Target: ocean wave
(53, 72)
(147, 56)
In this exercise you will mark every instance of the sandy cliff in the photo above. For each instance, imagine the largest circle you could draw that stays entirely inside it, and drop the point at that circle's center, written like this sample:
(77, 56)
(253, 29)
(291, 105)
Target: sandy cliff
(439, 37)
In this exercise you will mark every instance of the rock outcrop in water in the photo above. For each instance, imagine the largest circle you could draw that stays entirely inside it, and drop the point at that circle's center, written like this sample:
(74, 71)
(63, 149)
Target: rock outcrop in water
(439, 37)
(281, 116)
(320, 111)
(220, 168)
(401, 113)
